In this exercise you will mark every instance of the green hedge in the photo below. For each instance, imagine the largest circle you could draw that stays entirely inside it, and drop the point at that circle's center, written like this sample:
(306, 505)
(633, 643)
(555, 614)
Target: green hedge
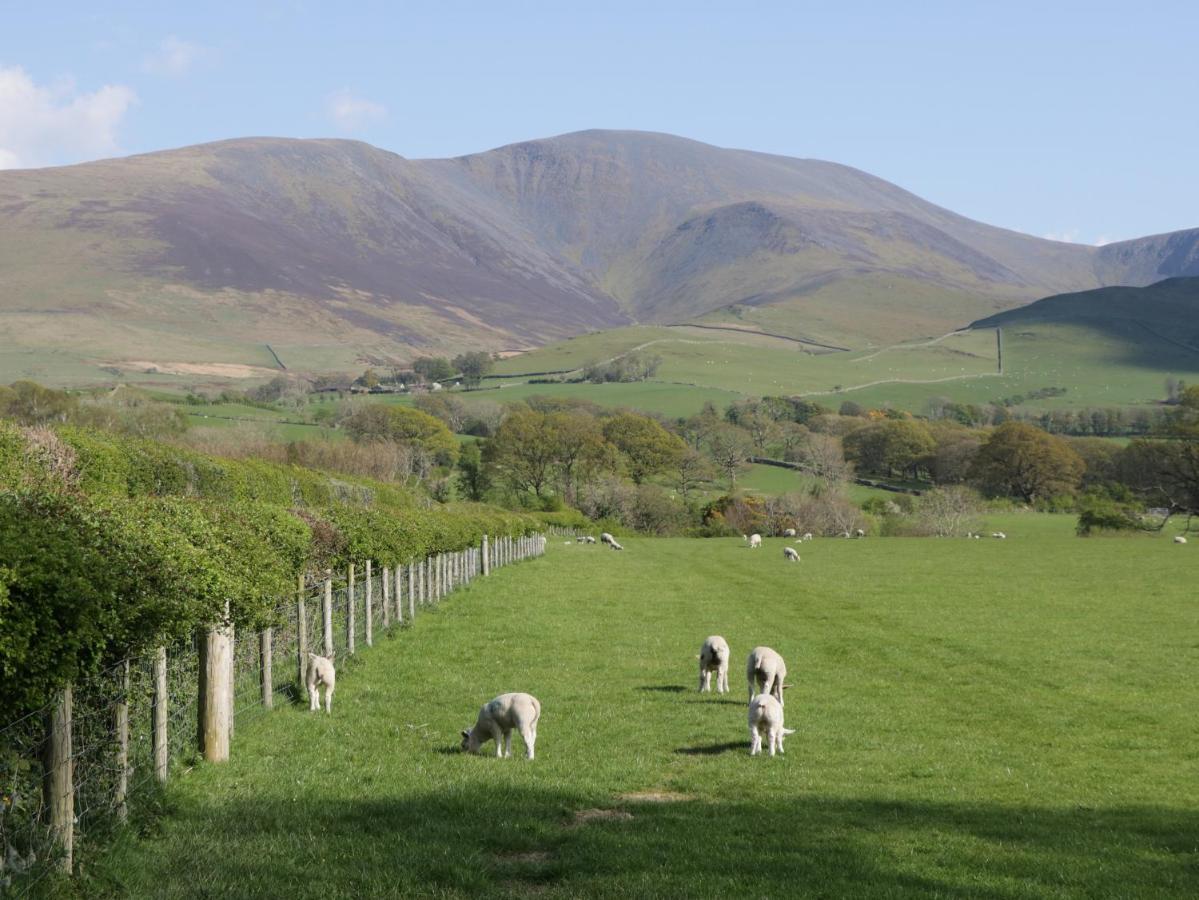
(109, 545)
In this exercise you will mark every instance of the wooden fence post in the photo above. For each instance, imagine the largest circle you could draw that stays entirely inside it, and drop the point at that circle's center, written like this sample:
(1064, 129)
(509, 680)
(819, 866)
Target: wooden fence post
(302, 638)
(350, 623)
(386, 597)
(59, 784)
(122, 729)
(327, 614)
(370, 613)
(486, 558)
(399, 595)
(216, 689)
(159, 739)
(411, 596)
(266, 656)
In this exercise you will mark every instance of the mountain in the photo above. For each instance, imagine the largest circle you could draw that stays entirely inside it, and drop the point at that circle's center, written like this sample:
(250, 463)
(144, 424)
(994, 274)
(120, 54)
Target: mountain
(336, 254)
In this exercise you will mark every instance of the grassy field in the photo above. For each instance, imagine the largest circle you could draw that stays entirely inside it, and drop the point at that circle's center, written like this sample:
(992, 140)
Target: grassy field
(998, 719)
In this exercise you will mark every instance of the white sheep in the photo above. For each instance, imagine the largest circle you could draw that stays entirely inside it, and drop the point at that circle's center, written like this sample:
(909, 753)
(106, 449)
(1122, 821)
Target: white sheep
(320, 672)
(765, 669)
(788, 532)
(714, 657)
(606, 538)
(790, 554)
(496, 720)
(1179, 539)
(589, 539)
(766, 717)
(861, 532)
(615, 545)
(755, 541)
(999, 535)
(807, 536)
(846, 534)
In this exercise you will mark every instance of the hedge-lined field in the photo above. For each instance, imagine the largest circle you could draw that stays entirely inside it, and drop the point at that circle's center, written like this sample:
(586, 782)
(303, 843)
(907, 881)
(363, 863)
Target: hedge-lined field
(1005, 719)
(110, 544)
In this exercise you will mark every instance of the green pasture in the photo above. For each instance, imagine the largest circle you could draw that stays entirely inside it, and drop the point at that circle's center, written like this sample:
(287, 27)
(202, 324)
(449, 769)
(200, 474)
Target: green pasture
(1002, 719)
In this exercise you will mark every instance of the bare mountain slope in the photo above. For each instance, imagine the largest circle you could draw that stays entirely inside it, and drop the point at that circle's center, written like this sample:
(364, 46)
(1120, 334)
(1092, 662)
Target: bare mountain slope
(336, 253)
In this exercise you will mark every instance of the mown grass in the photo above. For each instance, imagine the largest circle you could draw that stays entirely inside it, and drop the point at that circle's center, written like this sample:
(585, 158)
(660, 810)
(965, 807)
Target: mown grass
(984, 718)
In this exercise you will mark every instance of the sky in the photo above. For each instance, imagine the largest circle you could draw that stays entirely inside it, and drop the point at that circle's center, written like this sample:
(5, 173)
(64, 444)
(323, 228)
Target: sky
(1077, 121)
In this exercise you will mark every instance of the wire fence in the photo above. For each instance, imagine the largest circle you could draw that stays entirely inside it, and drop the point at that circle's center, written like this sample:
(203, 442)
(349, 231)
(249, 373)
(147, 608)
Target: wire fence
(72, 771)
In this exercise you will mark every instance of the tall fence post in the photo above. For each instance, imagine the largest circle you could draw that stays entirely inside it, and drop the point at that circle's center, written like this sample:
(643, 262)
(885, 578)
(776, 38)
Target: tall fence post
(370, 613)
(411, 596)
(59, 784)
(302, 638)
(386, 597)
(350, 623)
(122, 729)
(266, 660)
(486, 557)
(399, 596)
(216, 689)
(327, 614)
(159, 739)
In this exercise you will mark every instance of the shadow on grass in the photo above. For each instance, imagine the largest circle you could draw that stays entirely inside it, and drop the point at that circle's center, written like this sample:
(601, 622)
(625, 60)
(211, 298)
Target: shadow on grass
(664, 688)
(505, 840)
(714, 749)
(720, 701)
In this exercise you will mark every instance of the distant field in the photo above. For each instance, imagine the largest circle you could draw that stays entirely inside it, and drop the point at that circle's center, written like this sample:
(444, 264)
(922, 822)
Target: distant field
(1001, 719)
(280, 425)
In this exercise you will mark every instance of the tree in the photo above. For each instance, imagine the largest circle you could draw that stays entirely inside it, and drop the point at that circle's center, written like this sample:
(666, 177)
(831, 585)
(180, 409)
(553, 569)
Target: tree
(729, 447)
(1021, 460)
(433, 368)
(369, 379)
(949, 511)
(31, 404)
(473, 478)
(821, 456)
(523, 451)
(893, 445)
(690, 470)
(401, 425)
(580, 450)
(444, 406)
(646, 446)
(472, 367)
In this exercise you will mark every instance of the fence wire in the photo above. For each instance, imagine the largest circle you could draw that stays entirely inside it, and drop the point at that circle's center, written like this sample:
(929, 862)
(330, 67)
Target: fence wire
(106, 786)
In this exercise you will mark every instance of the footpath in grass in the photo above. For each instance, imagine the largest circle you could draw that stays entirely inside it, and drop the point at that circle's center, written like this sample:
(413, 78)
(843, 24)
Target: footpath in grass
(986, 718)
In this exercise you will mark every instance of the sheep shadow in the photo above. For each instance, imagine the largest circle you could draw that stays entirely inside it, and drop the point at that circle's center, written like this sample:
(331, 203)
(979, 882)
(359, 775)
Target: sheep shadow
(718, 701)
(713, 749)
(664, 688)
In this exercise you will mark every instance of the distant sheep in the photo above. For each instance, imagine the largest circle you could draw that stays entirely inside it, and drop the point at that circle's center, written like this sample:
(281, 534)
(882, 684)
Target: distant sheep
(755, 540)
(714, 657)
(790, 554)
(788, 532)
(766, 718)
(606, 538)
(999, 535)
(320, 673)
(846, 534)
(807, 536)
(1179, 539)
(588, 539)
(861, 532)
(498, 718)
(766, 670)
(615, 545)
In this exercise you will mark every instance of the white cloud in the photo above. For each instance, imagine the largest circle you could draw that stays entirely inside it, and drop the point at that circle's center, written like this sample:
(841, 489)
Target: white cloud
(351, 113)
(55, 124)
(175, 57)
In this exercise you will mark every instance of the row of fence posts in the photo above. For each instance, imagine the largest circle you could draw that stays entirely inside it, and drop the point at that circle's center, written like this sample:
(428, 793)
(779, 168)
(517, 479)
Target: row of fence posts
(417, 584)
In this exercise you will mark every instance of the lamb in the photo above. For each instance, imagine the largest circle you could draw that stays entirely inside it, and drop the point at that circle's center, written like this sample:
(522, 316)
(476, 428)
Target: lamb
(790, 554)
(320, 672)
(588, 539)
(861, 532)
(788, 532)
(714, 657)
(999, 534)
(755, 540)
(807, 536)
(1179, 539)
(615, 545)
(765, 668)
(496, 720)
(766, 717)
(606, 538)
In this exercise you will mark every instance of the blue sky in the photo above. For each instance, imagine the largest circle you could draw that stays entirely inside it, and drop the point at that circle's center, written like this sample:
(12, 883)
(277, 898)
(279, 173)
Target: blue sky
(1076, 120)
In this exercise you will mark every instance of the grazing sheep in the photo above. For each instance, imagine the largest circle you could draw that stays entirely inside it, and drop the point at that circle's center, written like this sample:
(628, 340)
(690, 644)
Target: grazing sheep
(714, 657)
(765, 669)
(496, 720)
(589, 539)
(755, 540)
(861, 532)
(606, 538)
(790, 554)
(846, 534)
(320, 672)
(615, 545)
(766, 717)
(788, 532)
(999, 534)
(1179, 539)
(807, 536)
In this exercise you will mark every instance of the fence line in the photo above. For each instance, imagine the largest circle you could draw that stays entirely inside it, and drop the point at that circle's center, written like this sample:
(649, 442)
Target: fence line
(76, 767)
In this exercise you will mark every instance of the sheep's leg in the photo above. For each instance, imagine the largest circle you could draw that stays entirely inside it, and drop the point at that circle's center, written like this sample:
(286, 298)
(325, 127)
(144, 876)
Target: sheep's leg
(722, 680)
(705, 679)
(498, 737)
(314, 700)
(755, 742)
(328, 699)
(529, 736)
(508, 744)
